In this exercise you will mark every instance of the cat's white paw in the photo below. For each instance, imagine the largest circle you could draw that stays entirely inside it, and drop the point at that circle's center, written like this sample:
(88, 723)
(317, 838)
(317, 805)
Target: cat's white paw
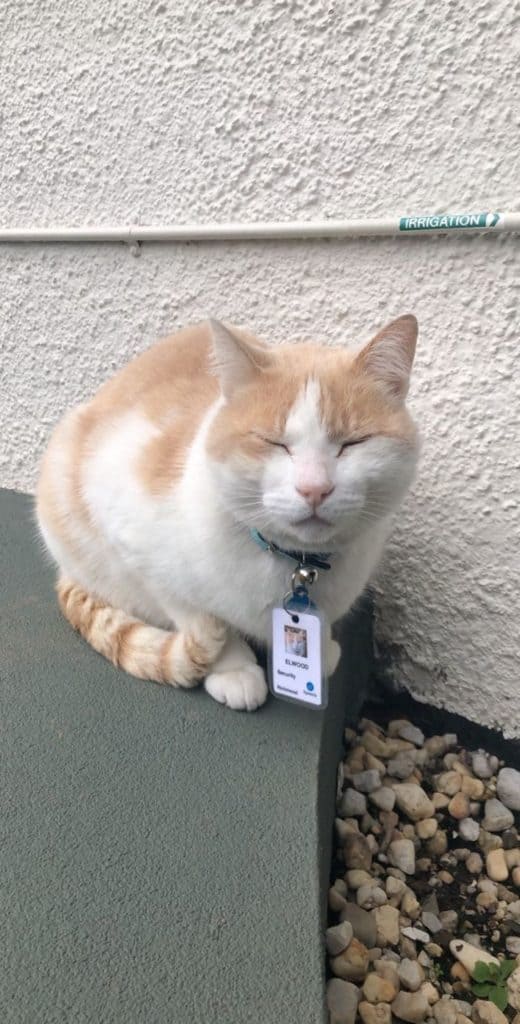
(242, 689)
(332, 656)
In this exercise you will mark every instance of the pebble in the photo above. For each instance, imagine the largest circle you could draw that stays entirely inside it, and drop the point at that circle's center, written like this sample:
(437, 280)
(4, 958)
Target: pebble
(440, 801)
(469, 955)
(438, 844)
(430, 992)
(496, 866)
(394, 887)
(449, 919)
(401, 767)
(469, 829)
(512, 858)
(410, 905)
(367, 780)
(379, 1014)
(416, 934)
(387, 925)
(363, 924)
(458, 806)
(379, 990)
(480, 763)
(513, 944)
(336, 900)
(449, 783)
(357, 852)
(342, 1001)
(352, 963)
(412, 1007)
(338, 937)
(473, 788)
(410, 732)
(411, 974)
(357, 877)
(387, 969)
(384, 798)
(497, 817)
(401, 853)
(485, 1012)
(431, 922)
(513, 989)
(508, 788)
(445, 1011)
(426, 828)
(488, 841)
(370, 896)
(474, 864)
(412, 799)
(353, 804)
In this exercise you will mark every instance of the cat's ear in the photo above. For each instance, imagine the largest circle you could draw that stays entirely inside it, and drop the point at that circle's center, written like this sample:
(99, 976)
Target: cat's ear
(236, 360)
(388, 358)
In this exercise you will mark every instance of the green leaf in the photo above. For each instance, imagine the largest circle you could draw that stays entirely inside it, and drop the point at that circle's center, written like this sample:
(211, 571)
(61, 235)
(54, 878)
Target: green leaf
(481, 971)
(498, 996)
(506, 968)
(481, 990)
(494, 971)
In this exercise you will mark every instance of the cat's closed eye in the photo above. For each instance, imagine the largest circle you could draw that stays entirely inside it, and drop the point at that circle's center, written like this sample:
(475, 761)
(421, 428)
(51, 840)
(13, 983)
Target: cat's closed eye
(352, 442)
(275, 444)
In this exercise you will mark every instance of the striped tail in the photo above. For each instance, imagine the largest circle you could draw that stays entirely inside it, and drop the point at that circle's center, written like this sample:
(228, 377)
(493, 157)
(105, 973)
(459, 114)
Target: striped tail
(177, 658)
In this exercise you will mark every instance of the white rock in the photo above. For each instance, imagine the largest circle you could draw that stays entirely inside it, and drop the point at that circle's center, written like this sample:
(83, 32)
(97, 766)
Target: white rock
(412, 799)
(353, 804)
(338, 937)
(513, 989)
(367, 781)
(508, 788)
(497, 816)
(401, 853)
(481, 766)
(411, 974)
(445, 1011)
(431, 922)
(415, 934)
(485, 1012)
(468, 955)
(402, 766)
(469, 829)
(411, 1006)
(342, 1001)
(410, 732)
(384, 798)
(370, 896)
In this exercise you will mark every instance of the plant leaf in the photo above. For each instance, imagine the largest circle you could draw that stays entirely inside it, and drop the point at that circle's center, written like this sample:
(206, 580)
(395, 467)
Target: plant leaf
(506, 968)
(481, 971)
(481, 989)
(494, 971)
(498, 996)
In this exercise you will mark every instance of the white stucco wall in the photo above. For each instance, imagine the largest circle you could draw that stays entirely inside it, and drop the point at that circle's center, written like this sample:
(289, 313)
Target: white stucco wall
(159, 111)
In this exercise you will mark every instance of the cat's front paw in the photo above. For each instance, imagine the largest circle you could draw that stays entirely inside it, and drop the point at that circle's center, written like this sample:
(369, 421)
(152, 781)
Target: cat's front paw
(242, 689)
(332, 656)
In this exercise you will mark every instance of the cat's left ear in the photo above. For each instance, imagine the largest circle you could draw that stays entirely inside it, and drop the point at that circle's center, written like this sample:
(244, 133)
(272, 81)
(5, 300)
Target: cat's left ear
(388, 358)
(236, 360)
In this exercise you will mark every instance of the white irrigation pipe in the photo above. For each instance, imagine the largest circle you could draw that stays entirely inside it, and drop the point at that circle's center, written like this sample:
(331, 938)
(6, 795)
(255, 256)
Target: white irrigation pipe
(437, 223)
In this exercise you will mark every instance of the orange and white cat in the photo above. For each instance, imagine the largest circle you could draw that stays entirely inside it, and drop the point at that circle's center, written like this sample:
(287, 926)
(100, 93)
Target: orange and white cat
(149, 491)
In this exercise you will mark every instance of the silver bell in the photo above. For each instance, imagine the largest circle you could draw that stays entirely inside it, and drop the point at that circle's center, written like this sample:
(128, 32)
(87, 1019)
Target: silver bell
(304, 576)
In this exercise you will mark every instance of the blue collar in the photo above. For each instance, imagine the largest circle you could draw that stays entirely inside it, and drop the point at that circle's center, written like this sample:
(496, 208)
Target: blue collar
(316, 559)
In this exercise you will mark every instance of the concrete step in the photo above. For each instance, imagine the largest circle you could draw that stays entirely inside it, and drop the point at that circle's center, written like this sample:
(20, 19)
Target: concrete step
(164, 860)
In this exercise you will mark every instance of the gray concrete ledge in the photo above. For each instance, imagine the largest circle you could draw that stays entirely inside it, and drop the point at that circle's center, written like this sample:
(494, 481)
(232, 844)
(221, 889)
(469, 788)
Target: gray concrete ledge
(164, 860)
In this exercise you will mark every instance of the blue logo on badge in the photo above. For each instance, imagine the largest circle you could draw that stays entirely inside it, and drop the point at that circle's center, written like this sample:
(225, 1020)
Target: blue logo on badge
(310, 687)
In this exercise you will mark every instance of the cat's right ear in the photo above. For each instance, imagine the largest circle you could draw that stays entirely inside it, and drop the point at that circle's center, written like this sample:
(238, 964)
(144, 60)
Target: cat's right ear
(236, 361)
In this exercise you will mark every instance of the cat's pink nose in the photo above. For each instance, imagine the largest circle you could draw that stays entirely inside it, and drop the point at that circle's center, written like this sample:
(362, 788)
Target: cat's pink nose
(315, 494)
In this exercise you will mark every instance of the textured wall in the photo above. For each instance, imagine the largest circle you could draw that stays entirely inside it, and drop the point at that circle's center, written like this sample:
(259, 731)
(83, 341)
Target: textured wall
(164, 111)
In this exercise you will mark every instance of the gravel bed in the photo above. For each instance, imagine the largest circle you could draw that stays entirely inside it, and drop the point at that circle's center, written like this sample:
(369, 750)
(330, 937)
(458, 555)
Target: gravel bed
(425, 881)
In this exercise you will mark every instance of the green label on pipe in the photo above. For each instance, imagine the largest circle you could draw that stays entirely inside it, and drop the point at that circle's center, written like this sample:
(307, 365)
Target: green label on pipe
(443, 221)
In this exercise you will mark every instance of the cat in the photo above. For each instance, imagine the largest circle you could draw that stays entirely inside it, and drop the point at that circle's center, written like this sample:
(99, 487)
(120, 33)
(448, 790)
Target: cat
(150, 494)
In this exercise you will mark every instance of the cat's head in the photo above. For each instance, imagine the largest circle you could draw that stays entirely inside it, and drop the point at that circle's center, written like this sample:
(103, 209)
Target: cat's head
(312, 443)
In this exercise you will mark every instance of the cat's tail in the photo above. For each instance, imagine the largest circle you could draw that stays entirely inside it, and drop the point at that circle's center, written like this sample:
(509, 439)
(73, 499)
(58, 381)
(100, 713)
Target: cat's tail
(177, 658)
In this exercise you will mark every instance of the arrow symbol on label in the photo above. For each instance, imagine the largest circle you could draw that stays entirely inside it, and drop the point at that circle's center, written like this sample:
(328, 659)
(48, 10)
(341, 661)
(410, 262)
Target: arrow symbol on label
(492, 219)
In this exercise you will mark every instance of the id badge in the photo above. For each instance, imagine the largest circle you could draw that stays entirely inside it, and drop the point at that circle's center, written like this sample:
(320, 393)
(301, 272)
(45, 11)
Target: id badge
(296, 662)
